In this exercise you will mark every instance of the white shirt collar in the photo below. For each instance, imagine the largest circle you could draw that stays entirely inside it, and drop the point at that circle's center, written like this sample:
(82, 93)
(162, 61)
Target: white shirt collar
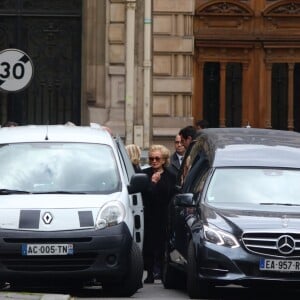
(180, 157)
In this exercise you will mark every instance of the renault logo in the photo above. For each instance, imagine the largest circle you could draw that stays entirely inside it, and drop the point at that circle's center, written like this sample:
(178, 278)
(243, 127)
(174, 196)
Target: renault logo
(285, 244)
(47, 218)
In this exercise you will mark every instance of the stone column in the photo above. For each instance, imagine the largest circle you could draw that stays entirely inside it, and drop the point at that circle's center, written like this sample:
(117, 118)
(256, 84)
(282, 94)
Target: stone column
(269, 95)
(198, 94)
(130, 74)
(147, 72)
(245, 97)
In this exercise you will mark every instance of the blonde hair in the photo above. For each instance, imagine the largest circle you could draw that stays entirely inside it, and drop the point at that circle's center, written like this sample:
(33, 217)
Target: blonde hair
(134, 153)
(165, 152)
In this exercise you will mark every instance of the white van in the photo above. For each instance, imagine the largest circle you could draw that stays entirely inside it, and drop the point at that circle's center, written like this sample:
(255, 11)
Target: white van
(70, 209)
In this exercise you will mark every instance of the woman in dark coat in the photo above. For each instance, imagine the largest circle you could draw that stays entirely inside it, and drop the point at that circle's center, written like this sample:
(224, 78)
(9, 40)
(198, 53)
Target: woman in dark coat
(156, 200)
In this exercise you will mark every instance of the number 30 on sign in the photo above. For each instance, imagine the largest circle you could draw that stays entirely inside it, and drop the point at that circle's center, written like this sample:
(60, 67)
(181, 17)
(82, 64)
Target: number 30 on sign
(16, 70)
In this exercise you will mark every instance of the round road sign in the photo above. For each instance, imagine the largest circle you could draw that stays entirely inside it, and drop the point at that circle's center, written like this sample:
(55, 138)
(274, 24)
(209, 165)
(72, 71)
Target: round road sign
(16, 70)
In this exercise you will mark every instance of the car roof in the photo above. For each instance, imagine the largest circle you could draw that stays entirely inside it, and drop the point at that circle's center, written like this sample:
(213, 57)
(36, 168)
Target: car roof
(55, 133)
(249, 147)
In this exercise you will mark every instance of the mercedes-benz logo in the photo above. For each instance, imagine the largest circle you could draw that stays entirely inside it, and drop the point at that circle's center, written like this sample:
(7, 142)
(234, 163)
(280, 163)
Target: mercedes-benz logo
(47, 218)
(285, 244)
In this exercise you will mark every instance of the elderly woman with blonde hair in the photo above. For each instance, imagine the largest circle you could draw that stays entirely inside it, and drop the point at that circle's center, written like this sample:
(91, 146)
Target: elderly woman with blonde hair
(156, 201)
(134, 153)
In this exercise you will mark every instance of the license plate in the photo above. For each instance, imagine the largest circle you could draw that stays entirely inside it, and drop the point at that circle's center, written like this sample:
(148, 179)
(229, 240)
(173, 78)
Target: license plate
(47, 249)
(280, 265)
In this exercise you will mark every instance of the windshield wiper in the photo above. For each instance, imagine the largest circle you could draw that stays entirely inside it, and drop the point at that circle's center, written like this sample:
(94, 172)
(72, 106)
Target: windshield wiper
(9, 192)
(273, 203)
(59, 192)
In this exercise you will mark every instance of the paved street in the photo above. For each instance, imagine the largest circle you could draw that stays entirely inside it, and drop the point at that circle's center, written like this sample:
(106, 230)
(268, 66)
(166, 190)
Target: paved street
(157, 291)
(153, 291)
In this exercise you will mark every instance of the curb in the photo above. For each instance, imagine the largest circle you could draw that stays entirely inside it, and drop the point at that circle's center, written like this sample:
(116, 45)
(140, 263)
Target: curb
(56, 297)
(32, 296)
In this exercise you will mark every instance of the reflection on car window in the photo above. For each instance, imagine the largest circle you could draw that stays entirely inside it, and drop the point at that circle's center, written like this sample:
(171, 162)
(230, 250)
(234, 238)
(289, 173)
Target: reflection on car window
(198, 188)
(48, 167)
(254, 186)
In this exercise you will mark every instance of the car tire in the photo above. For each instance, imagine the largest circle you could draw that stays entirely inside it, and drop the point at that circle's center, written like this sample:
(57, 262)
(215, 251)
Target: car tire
(196, 289)
(171, 277)
(132, 279)
(3, 285)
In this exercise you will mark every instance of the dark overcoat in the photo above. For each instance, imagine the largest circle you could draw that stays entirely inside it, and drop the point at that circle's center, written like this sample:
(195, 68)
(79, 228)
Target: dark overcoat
(174, 164)
(156, 200)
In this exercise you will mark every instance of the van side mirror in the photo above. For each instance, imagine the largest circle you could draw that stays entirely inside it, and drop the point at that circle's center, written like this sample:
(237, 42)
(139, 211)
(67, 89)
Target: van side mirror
(138, 183)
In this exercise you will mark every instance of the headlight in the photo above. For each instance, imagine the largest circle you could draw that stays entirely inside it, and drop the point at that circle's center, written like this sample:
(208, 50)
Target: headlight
(112, 213)
(220, 237)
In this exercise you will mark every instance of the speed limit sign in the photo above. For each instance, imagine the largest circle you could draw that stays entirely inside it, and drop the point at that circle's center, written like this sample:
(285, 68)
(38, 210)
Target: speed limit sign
(16, 70)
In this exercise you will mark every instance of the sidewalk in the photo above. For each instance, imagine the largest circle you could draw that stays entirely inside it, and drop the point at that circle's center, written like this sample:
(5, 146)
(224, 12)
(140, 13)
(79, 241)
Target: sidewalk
(5, 295)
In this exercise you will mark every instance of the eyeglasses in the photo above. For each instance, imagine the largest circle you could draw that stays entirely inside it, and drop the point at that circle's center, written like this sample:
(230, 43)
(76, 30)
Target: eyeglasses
(157, 158)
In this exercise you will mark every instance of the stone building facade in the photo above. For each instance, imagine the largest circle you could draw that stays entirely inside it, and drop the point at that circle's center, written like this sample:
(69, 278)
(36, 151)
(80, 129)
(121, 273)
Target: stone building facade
(138, 58)
(151, 67)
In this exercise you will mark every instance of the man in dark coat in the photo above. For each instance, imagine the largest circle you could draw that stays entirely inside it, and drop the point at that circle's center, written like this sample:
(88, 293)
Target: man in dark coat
(188, 139)
(177, 156)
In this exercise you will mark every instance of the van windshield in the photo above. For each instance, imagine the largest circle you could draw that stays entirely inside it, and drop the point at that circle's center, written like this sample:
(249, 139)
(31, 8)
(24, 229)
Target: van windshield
(58, 167)
(261, 186)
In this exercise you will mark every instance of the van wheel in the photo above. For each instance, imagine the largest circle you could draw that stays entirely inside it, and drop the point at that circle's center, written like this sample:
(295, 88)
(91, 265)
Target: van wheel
(171, 277)
(196, 289)
(132, 279)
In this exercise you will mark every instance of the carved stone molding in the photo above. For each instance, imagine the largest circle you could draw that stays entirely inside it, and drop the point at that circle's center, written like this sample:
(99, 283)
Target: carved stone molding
(131, 5)
(283, 9)
(217, 17)
(286, 54)
(225, 8)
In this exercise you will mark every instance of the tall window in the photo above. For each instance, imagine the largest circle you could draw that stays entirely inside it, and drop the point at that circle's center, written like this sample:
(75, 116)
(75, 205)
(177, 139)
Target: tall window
(297, 97)
(233, 95)
(211, 93)
(279, 96)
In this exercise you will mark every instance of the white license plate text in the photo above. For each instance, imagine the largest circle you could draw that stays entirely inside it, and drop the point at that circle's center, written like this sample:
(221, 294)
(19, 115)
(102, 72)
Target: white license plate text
(281, 265)
(47, 249)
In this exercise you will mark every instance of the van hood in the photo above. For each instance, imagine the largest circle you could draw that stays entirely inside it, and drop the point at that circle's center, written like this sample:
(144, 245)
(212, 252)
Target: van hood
(51, 212)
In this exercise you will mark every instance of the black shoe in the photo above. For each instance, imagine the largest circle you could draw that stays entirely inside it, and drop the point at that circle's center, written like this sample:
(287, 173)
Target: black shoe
(157, 276)
(149, 279)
